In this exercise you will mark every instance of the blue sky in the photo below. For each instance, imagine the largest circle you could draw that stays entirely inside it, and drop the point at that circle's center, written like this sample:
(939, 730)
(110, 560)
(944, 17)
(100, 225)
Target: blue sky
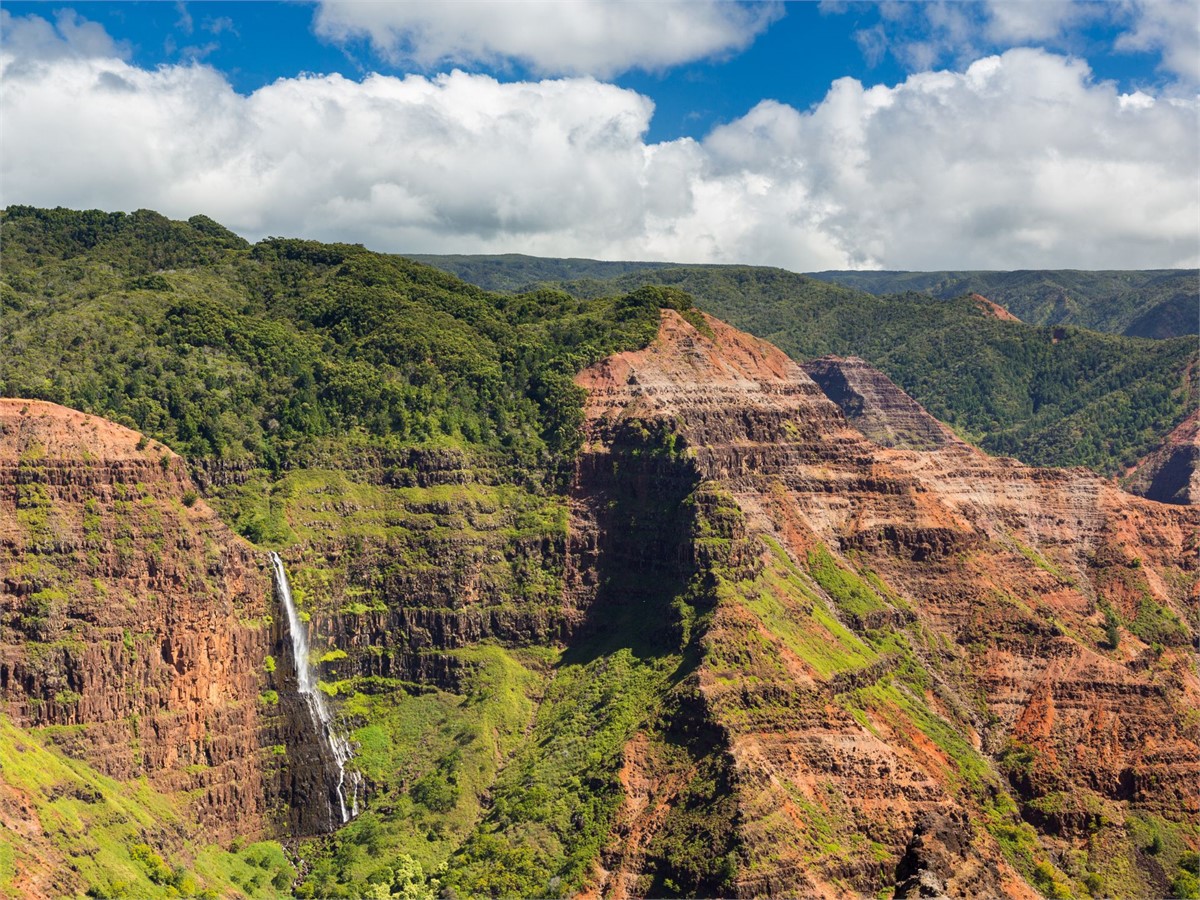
(808, 135)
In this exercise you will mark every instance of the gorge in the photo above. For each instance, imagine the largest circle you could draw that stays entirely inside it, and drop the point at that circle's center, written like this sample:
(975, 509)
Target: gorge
(674, 615)
(322, 719)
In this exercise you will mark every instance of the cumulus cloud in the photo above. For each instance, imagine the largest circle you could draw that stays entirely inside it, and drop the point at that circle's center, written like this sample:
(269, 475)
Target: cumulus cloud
(584, 37)
(1021, 160)
(1169, 27)
(924, 35)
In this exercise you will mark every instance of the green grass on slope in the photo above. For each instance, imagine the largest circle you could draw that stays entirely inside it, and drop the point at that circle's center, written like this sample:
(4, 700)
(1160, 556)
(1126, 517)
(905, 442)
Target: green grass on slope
(1049, 396)
(115, 839)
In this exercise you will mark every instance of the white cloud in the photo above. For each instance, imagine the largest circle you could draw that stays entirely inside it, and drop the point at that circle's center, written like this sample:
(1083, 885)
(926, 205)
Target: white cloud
(924, 35)
(31, 38)
(1017, 21)
(1169, 27)
(583, 37)
(1019, 161)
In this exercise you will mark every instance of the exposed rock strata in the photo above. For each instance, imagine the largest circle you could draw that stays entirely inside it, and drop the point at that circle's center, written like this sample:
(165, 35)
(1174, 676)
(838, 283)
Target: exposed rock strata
(876, 407)
(1171, 472)
(995, 575)
(130, 613)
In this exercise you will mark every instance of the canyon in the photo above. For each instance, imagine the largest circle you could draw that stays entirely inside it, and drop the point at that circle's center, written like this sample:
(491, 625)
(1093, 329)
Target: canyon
(868, 656)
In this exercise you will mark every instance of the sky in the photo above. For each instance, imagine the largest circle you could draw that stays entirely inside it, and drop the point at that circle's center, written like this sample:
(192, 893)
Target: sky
(1002, 134)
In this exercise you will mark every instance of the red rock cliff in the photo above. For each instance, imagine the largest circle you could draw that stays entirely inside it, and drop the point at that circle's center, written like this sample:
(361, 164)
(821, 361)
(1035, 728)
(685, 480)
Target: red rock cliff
(914, 656)
(129, 610)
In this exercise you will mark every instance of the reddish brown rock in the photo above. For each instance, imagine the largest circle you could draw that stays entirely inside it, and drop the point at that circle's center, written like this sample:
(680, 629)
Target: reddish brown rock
(994, 576)
(128, 609)
(995, 310)
(1171, 472)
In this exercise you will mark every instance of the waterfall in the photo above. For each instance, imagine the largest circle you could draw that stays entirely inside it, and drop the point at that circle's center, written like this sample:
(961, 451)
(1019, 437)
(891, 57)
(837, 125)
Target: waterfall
(318, 709)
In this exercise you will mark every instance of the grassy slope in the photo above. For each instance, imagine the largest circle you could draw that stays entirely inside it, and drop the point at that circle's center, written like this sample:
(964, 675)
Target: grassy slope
(118, 839)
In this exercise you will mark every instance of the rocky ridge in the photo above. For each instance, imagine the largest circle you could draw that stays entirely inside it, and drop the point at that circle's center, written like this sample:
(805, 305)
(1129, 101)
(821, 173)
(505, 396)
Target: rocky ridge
(1171, 473)
(904, 638)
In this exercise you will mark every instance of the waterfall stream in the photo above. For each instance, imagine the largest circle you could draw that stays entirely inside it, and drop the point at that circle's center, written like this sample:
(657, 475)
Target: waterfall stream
(318, 709)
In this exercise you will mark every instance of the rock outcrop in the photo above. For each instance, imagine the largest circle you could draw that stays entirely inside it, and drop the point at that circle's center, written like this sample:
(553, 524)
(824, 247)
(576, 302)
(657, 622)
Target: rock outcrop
(874, 405)
(137, 627)
(903, 639)
(1171, 472)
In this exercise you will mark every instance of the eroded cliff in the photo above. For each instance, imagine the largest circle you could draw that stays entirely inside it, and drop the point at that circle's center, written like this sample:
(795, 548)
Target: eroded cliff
(139, 636)
(1171, 473)
(931, 668)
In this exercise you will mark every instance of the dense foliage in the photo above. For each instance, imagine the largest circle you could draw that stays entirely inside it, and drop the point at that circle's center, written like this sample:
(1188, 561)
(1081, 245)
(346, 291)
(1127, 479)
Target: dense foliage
(516, 272)
(1154, 303)
(222, 350)
(1047, 395)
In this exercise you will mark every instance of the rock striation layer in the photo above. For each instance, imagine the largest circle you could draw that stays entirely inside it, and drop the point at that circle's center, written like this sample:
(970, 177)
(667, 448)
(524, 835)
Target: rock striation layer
(874, 405)
(135, 628)
(1171, 472)
(932, 668)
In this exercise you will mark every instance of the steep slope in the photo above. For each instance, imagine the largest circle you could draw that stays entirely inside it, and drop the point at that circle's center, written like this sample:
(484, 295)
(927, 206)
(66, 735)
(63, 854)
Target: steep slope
(908, 646)
(1171, 473)
(875, 406)
(135, 630)
(124, 609)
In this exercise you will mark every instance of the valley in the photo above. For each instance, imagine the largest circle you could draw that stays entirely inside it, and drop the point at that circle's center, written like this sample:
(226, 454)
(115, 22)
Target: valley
(605, 596)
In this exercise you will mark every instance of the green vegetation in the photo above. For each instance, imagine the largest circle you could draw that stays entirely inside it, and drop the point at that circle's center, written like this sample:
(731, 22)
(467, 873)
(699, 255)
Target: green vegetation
(1154, 303)
(1048, 395)
(515, 272)
(291, 348)
(98, 827)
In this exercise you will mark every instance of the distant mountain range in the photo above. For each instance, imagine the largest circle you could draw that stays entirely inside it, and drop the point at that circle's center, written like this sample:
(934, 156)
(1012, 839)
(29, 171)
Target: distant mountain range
(1051, 394)
(1153, 303)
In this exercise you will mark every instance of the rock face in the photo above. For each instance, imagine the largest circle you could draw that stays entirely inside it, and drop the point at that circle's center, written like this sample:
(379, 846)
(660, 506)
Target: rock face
(914, 656)
(1171, 473)
(133, 617)
(876, 407)
(995, 310)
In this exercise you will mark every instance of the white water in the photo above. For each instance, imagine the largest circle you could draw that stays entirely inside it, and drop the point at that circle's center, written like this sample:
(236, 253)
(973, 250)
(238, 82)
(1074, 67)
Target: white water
(306, 681)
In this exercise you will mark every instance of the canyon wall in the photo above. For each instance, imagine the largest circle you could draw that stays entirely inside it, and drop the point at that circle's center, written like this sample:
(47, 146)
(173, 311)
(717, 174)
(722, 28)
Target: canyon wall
(932, 667)
(140, 635)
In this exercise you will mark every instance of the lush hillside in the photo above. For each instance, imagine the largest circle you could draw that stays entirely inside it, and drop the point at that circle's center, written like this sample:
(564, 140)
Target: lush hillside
(1055, 396)
(1156, 303)
(229, 351)
(517, 272)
